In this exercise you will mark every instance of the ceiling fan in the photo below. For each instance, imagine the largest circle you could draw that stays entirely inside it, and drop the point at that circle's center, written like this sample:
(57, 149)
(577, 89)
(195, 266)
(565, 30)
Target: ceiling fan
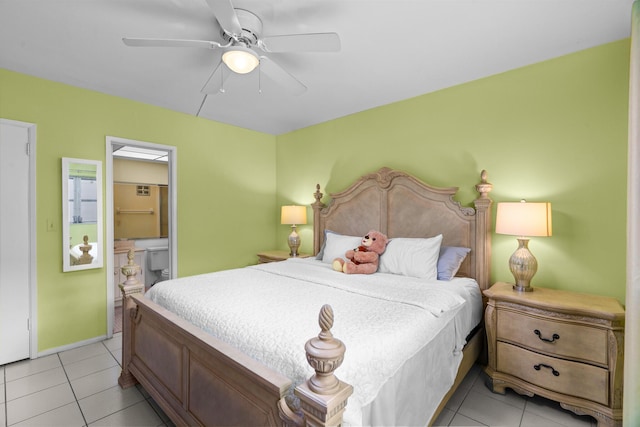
(244, 48)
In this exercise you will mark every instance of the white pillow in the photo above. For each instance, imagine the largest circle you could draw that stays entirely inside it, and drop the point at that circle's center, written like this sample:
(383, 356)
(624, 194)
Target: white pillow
(336, 245)
(412, 257)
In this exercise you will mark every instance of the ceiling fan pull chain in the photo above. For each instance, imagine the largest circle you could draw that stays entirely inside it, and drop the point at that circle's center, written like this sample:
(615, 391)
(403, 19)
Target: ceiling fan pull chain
(259, 78)
(221, 79)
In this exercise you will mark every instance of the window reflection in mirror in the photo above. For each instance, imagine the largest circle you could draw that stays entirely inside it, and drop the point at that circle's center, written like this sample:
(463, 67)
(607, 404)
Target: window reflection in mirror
(82, 214)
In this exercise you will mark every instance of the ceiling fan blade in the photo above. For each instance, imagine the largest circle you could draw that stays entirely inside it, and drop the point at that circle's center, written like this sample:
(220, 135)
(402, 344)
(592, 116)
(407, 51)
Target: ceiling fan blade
(216, 80)
(226, 16)
(312, 42)
(137, 42)
(281, 76)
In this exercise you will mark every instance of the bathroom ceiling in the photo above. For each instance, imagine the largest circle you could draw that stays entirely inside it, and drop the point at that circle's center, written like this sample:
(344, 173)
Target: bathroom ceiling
(390, 50)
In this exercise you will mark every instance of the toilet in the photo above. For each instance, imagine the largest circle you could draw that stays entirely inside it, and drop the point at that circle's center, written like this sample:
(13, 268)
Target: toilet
(158, 264)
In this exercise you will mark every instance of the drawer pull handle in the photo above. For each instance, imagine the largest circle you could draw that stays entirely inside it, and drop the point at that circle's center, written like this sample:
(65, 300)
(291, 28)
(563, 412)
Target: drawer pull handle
(553, 337)
(539, 365)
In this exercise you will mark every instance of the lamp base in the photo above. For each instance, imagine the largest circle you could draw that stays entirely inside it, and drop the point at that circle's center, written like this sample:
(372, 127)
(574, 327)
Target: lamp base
(294, 242)
(523, 266)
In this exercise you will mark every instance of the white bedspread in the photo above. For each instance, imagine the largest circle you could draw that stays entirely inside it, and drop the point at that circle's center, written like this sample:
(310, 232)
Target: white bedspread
(269, 311)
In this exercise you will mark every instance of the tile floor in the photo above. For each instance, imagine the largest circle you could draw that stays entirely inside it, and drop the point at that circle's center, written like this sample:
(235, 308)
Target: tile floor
(79, 387)
(473, 404)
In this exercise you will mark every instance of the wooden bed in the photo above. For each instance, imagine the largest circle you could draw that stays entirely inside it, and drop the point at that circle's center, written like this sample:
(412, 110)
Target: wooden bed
(200, 380)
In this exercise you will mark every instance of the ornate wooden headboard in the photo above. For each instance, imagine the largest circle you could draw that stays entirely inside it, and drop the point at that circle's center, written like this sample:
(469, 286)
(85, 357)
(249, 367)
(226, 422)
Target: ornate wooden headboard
(400, 205)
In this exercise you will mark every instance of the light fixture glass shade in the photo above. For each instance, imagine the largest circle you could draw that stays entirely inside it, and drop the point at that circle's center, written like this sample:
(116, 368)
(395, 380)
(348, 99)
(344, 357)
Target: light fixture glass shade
(524, 220)
(241, 60)
(293, 215)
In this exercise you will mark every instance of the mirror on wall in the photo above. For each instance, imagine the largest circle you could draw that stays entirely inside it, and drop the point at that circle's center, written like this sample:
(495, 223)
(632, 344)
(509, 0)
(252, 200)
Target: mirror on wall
(140, 211)
(81, 214)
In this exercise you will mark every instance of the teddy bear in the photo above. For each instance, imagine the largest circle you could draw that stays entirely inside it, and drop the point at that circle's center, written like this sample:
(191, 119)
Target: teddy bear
(363, 259)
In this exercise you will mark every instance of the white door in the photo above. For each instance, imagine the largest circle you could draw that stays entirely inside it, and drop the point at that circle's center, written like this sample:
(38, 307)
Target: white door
(14, 243)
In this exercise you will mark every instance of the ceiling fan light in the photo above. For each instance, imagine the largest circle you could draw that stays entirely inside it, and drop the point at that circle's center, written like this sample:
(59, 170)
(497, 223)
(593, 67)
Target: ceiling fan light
(240, 59)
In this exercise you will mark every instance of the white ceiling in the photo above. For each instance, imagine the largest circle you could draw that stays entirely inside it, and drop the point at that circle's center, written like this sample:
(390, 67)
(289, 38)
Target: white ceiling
(391, 50)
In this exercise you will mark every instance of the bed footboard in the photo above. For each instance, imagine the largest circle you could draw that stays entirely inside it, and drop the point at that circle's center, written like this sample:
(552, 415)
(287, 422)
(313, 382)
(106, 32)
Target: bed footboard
(199, 380)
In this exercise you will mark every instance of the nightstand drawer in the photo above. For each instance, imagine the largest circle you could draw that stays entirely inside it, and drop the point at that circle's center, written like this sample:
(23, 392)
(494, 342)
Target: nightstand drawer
(554, 337)
(562, 376)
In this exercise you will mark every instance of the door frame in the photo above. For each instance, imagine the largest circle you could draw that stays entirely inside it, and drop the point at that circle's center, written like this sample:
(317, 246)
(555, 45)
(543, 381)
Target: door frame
(173, 209)
(33, 264)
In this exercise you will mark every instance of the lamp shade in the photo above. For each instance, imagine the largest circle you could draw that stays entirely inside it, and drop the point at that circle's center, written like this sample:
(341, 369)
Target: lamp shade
(524, 219)
(240, 59)
(293, 215)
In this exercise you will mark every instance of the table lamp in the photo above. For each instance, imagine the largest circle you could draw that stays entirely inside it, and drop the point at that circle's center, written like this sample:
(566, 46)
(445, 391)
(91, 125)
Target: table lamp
(293, 215)
(524, 220)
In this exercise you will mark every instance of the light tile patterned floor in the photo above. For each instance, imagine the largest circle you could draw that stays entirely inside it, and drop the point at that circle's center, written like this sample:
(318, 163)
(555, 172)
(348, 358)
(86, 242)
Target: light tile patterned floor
(473, 404)
(79, 387)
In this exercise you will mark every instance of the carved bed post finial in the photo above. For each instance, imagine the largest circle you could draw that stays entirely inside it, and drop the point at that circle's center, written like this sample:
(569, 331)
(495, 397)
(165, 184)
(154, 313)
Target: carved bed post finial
(484, 187)
(130, 269)
(85, 258)
(325, 354)
(323, 397)
(318, 195)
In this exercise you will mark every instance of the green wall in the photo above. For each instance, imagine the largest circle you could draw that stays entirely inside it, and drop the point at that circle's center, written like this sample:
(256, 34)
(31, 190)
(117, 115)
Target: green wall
(553, 131)
(219, 166)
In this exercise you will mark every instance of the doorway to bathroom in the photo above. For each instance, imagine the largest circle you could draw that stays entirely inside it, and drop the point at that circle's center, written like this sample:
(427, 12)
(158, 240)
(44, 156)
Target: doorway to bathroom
(141, 194)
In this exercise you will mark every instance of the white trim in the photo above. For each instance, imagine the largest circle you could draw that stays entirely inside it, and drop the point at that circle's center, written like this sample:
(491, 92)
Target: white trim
(173, 213)
(33, 264)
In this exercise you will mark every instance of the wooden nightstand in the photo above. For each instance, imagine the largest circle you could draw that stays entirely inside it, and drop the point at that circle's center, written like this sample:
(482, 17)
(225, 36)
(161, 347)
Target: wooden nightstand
(564, 346)
(274, 256)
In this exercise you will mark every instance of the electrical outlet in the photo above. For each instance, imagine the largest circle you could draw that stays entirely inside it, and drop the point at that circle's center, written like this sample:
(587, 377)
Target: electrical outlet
(51, 225)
